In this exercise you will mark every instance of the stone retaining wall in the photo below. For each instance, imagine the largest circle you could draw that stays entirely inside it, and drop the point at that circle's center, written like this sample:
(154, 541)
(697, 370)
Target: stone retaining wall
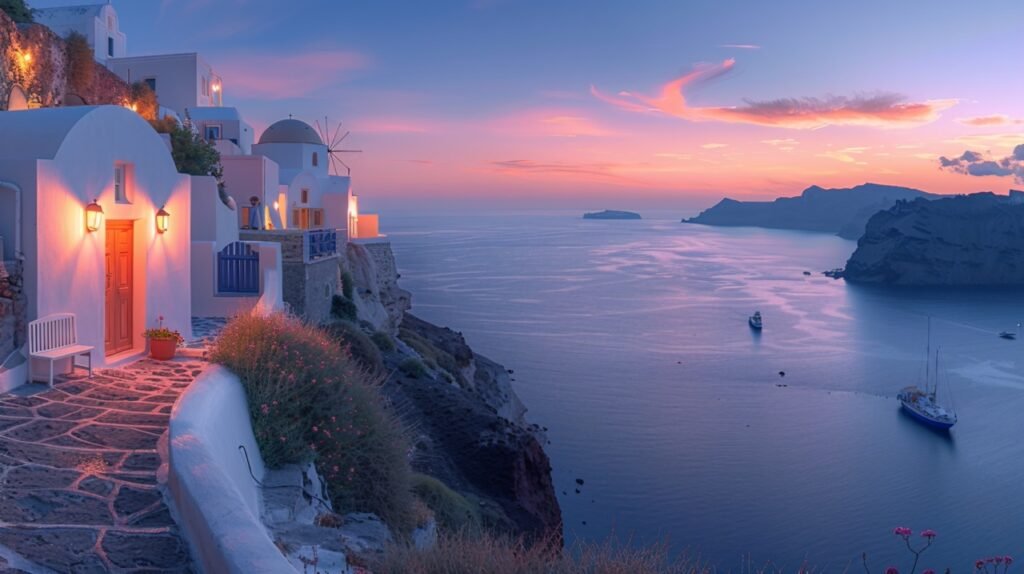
(13, 308)
(44, 78)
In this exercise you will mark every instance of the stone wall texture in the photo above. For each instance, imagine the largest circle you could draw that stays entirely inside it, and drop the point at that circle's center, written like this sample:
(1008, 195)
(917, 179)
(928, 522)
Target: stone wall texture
(44, 78)
(13, 308)
(309, 287)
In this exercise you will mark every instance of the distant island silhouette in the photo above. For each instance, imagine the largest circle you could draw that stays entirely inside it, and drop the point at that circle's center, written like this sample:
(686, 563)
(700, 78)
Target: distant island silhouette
(611, 214)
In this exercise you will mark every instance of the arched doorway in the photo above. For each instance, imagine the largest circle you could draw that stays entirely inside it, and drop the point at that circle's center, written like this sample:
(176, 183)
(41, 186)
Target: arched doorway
(17, 100)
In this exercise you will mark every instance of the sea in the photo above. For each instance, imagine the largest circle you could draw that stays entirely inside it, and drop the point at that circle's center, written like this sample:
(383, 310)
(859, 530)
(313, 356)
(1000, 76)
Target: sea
(629, 343)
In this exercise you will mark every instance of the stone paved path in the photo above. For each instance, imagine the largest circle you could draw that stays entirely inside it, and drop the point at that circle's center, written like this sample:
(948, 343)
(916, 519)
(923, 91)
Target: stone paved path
(78, 471)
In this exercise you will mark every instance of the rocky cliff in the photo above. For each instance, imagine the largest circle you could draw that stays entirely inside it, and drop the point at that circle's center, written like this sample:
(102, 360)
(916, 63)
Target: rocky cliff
(840, 211)
(973, 239)
(33, 59)
(470, 430)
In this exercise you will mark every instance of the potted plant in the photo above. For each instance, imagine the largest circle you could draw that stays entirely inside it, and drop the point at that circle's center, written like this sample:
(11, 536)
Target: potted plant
(163, 342)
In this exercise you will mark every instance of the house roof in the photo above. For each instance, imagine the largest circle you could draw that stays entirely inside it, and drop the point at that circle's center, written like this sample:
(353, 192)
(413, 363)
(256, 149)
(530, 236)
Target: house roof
(291, 131)
(39, 133)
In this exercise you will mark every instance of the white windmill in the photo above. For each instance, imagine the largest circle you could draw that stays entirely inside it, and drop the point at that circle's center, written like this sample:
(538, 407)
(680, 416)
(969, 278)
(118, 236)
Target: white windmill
(334, 140)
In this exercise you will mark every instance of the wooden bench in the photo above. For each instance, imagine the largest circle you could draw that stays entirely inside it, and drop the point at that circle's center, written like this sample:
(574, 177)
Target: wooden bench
(55, 337)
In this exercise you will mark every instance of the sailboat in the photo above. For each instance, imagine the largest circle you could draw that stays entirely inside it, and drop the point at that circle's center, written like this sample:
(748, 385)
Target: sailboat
(923, 405)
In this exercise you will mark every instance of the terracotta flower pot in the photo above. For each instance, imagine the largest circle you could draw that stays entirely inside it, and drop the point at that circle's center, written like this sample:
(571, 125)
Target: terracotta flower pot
(162, 349)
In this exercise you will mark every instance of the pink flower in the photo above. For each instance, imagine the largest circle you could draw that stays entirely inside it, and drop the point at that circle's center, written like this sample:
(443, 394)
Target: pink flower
(892, 570)
(929, 534)
(998, 559)
(928, 571)
(979, 564)
(1008, 560)
(264, 408)
(902, 531)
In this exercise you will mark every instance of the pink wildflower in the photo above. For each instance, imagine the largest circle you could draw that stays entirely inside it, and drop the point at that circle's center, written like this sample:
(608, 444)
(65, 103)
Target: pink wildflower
(264, 408)
(902, 531)
(929, 534)
(315, 428)
(979, 564)
(928, 571)
(1008, 560)
(892, 570)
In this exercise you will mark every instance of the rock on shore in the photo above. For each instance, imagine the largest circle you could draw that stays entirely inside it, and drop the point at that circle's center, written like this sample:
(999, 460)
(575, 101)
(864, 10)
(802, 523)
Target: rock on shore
(969, 240)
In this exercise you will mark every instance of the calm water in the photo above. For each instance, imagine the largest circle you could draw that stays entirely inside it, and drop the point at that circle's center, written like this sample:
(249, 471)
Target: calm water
(629, 342)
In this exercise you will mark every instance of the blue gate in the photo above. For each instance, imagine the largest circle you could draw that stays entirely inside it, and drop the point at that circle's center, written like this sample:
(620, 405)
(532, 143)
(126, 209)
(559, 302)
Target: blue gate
(238, 269)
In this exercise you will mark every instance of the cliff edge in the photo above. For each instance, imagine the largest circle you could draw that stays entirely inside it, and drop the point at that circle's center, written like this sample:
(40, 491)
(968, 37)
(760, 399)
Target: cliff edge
(968, 240)
(842, 211)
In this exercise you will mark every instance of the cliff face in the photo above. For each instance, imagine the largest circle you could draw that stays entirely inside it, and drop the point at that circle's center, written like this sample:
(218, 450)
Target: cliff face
(470, 427)
(840, 211)
(44, 78)
(974, 239)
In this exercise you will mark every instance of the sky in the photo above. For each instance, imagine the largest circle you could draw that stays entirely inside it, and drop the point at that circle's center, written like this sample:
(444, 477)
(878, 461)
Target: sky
(549, 103)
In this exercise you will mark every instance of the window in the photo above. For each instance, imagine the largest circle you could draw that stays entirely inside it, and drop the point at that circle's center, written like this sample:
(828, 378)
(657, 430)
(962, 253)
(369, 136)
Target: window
(110, 47)
(316, 159)
(318, 218)
(305, 195)
(121, 182)
(206, 86)
(213, 132)
(151, 82)
(110, 22)
(244, 215)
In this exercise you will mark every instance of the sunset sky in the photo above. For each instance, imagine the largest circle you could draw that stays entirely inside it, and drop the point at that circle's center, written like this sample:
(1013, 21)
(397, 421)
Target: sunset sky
(623, 103)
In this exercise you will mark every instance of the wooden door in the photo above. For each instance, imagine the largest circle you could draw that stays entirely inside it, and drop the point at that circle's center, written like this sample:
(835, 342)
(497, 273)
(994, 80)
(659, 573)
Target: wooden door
(119, 287)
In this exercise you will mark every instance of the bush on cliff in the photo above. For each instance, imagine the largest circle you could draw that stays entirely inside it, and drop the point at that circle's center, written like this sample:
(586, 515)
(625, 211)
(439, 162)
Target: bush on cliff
(81, 66)
(467, 553)
(454, 512)
(343, 308)
(435, 357)
(309, 400)
(192, 154)
(359, 345)
(17, 10)
(413, 367)
(383, 341)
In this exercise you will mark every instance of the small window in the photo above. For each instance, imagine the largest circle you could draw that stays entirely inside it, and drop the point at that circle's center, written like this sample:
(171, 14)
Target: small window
(110, 22)
(316, 159)
(305, 195)
(206, 86)
(244, 215)
(110, 47)
(213, 133)
(318, 218)
(151, 82)
(121, 181)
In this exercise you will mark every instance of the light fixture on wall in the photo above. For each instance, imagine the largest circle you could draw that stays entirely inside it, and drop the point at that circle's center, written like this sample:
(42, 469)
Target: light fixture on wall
(163, 221)
(26, 58)
(93, 216)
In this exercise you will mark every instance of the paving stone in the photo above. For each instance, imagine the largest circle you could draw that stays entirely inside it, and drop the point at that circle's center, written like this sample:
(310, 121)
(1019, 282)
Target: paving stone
(96, 485)
(40, 430)
(135, 419)
(14, 411)
(142, 461)
(53, 456)
(31, 477)
(53, 507)
(130, 500)
(6, 423)
(83, 413)
(56, 410)
(112, 393)
(60, 549)
(116, 437)
(155, 518)
(143, 550)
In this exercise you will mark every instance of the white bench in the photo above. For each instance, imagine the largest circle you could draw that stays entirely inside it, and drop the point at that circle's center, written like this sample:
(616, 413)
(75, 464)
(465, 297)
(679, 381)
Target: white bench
(54, 337)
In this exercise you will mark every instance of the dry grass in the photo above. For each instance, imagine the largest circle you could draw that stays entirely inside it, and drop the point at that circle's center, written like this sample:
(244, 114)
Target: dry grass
(464, 553)
(310, 401)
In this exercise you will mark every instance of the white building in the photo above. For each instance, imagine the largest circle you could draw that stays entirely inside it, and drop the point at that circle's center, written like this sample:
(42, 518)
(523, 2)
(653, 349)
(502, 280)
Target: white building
(224, 128)
(181, 81)
(97, 22)
(117, 275)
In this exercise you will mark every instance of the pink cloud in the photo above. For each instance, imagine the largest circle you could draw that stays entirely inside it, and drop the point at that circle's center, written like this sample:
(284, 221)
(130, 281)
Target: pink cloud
(389, 125)
(275, 76)
(879, 110)
(992, 120)
(586, 171)
(741, 46)
(551, 123)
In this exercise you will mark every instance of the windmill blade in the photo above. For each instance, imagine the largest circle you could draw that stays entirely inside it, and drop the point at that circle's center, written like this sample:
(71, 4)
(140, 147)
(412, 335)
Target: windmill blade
(334, 139)
(334, 163)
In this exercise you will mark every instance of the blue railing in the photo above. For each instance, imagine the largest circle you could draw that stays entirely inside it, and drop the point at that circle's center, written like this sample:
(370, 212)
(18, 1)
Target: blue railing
(238, 270)
(319, 243)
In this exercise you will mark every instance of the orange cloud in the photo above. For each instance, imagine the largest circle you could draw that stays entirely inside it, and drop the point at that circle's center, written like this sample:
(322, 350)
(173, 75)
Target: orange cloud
(287, 76)
(993, 120)
(879, 110)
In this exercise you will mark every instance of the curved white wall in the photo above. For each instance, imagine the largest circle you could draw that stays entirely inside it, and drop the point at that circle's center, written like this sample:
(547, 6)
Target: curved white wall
(217, 501)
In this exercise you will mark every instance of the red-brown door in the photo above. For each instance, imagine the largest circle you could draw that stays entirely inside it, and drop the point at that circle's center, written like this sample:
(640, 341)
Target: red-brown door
(119, 287)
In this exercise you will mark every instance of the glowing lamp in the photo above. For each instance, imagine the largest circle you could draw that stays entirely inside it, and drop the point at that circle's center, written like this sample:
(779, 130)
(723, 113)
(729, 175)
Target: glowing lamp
(26, 57)
(216, 87)
(163, 221)
(93, 216)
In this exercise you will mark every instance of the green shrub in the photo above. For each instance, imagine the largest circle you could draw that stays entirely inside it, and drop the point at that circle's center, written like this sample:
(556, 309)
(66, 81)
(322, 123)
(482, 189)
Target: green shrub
(348, 284)
(362, 349)
(469, 553)
(308, 401)
(81, 65)
(192, 154)
(383, 341)
(413, 367)
(342, 308)
(435, 357)
(18, 11)
(454, 512)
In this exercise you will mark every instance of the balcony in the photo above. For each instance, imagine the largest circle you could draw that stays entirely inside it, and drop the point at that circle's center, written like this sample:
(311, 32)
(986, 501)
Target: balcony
(305, 245)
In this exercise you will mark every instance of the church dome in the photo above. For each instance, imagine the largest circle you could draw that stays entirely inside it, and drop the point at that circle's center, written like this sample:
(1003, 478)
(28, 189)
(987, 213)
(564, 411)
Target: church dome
(291, 131)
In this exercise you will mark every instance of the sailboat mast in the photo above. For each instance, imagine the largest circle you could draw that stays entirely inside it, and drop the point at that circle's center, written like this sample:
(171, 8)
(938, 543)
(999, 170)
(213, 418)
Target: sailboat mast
(935, 391)
(928, 356)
